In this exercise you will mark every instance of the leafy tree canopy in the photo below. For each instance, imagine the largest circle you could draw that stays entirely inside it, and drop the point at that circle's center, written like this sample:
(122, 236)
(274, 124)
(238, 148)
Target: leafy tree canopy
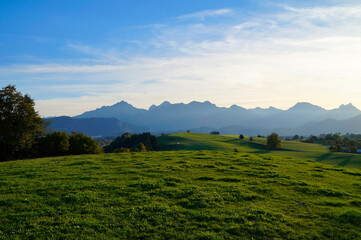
(273, 141)
(20, 124)
(134, 142)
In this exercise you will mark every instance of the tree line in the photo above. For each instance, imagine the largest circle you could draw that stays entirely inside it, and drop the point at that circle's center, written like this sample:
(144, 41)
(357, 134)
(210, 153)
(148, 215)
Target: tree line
(335, 141)
(133, 143)
(24, 134)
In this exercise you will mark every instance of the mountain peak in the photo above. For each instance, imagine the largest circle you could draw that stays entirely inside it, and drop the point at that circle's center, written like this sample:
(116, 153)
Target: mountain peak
(122, 103)
(348, 107)
(165, 103)
(152, 107)
(305, 106)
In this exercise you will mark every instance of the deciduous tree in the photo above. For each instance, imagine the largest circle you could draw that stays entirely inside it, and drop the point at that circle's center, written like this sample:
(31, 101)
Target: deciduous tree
(273, 141)
(20, 124)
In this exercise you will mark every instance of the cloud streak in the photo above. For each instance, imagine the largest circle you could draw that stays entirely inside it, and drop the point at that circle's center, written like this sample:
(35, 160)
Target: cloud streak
(207, 13)
(296, 54)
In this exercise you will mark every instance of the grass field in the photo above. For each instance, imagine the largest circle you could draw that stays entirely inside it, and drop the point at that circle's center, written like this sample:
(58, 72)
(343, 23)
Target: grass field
(298, 150)
(250, 194)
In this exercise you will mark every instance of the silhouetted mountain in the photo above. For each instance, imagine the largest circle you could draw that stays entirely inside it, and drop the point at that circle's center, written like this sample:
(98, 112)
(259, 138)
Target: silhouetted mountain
(170, 117)
(94, 126)
(121, 111)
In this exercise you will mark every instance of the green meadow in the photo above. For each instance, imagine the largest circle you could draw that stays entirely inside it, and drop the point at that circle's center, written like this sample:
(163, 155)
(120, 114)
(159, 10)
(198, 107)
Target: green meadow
(294, 149)
(204, 190)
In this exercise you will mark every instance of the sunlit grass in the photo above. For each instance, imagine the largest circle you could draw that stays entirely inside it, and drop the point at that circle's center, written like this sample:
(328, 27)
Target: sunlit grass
(178, 195)
(294, 149)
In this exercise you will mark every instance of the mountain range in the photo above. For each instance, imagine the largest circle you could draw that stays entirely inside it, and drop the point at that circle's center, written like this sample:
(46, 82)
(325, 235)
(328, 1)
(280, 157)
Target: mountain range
(303, 118)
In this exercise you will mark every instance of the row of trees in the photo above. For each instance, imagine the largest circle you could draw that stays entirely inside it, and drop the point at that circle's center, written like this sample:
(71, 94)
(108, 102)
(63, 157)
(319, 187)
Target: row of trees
(133, 143)
(348, 142)
(23, 131)
(60, 143)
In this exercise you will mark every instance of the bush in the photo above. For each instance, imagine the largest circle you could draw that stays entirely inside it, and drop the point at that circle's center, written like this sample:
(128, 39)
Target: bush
(141, 147)
(83, 144)
(353, 149)
(273, 141)
(241, 136)
(119, 150)
(333, 148)
(54, 144)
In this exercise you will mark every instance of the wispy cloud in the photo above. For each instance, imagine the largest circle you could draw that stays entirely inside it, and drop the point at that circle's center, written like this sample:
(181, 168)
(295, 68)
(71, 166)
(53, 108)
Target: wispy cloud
(207, 13)
(296, 54)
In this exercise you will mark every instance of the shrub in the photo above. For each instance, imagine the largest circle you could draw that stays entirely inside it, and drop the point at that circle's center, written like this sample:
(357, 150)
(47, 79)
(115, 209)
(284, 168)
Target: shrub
(119, 150)
(353, 149)
(273, 141)
(333, 148)
(83, 144)
(141, 147)
(54, 144)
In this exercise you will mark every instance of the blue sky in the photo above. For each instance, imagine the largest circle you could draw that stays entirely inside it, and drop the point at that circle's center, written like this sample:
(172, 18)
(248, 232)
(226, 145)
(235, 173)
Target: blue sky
(73, 56)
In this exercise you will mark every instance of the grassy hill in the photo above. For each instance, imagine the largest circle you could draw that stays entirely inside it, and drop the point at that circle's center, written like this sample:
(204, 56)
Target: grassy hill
(298, 150)
(179, 195)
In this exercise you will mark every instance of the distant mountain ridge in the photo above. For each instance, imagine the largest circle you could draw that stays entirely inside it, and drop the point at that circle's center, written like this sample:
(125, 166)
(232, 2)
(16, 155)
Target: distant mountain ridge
(206, 115)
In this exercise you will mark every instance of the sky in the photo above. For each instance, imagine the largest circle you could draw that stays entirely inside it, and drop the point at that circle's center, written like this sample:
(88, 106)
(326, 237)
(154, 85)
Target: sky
(74, 56)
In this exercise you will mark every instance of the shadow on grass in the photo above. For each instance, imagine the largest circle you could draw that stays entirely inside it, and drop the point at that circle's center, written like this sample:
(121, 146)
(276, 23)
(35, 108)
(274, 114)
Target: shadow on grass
(263, 149)
(167, 143)
(345, 162)
(324, 157)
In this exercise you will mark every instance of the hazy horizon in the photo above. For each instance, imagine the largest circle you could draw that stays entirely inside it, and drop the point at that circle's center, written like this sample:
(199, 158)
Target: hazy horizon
(147, 108)
(72, 57)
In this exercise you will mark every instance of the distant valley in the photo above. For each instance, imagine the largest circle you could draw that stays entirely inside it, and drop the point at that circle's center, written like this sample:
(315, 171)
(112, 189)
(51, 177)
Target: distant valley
(302, 119)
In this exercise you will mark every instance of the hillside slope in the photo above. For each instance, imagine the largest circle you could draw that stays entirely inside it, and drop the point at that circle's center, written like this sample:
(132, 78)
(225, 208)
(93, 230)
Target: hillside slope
(298, 150)
(178, 195)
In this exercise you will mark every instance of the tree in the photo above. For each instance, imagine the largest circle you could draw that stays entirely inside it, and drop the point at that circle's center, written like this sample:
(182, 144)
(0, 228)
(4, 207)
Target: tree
(83, 144)
(339, 147)
(241, 136)
(141, 147)
(132, 141)
(251, 139)
(353, 149)
(54, 144)
(215, 133)
(273, 141)
(296, 137)
(188, 131)
(20, 124)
